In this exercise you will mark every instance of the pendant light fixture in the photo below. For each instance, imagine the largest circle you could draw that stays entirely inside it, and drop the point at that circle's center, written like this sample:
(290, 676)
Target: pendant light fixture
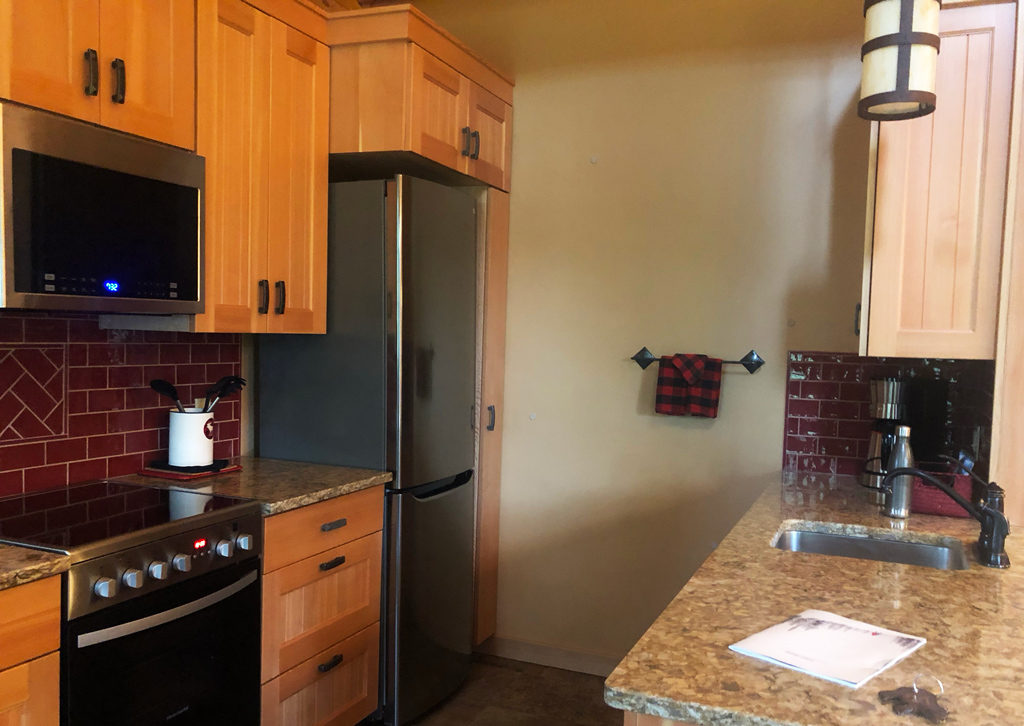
(899, 56)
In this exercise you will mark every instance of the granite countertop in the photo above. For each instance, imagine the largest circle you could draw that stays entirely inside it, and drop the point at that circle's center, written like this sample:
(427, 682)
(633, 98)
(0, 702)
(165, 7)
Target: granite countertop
(973, 619)
(21, 565)
(280, 486)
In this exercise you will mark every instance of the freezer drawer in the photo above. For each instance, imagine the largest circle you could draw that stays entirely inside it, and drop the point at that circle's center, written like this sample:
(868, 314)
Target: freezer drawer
(430, 618)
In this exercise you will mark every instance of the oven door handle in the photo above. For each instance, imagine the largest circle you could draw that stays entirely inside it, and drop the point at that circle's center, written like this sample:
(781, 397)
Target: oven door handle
(167, 616)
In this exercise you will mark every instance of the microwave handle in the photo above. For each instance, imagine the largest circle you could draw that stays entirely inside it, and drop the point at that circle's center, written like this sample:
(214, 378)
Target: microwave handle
(263, 303)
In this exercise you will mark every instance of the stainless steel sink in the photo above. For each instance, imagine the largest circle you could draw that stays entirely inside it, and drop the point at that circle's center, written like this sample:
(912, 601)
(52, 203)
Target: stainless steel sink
(942, 553)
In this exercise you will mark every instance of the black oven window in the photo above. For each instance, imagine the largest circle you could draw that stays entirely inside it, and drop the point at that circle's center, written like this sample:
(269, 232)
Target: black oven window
(84, 230)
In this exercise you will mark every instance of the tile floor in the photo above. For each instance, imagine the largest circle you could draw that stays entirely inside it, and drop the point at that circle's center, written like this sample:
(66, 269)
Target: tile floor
(502, 692)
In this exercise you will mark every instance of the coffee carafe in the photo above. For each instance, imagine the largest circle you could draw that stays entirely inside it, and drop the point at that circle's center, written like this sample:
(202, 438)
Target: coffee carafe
(888, 408)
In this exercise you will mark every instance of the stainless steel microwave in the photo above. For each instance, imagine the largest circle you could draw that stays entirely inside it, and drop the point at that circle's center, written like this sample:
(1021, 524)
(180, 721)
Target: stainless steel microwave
(93, 219)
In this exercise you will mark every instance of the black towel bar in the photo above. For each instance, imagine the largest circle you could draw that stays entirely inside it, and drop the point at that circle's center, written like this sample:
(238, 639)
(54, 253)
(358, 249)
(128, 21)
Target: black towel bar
(751, 361)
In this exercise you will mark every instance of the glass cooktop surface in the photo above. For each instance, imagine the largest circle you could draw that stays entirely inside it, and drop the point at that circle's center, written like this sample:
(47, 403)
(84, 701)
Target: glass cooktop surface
(82, 514)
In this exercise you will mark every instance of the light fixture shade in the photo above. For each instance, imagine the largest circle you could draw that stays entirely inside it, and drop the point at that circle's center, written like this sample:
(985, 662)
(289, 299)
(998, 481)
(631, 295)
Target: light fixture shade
(899, 55)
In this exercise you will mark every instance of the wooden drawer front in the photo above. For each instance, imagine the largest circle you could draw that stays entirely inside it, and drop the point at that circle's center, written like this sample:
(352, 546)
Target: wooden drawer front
(300, 533)
(30, 694)
(306, 607)
(29, 621)
(344, 695)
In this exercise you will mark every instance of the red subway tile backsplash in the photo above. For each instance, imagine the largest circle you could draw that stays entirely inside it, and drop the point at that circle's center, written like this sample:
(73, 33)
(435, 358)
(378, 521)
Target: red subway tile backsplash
(828, 419)
(75, 402)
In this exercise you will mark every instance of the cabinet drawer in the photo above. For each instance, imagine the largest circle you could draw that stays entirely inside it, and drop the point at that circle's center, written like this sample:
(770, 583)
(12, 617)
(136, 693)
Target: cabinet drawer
(319, 600)
(303, 532)
(29, 693)
(29, 621)
(343, 695)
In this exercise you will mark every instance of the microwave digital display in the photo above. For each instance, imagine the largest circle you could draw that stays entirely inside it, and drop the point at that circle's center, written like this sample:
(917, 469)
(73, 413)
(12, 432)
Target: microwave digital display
(88, 231)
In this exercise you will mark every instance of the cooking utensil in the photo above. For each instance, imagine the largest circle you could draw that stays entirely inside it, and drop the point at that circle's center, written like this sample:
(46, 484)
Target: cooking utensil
(164, 388)
(213, 392)
(233, 384)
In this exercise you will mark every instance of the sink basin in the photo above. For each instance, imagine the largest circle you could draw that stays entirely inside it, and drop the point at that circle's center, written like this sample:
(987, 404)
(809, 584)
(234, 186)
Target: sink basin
(942, 553)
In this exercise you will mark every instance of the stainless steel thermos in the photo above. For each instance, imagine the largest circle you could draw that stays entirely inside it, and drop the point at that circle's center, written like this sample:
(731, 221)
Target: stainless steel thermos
(897, 498)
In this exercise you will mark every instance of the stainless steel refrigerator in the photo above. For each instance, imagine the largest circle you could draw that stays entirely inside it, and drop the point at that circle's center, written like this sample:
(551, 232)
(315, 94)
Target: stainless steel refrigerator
(392, 386)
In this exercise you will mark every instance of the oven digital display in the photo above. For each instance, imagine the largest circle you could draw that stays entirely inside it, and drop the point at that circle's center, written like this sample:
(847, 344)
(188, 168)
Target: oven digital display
(199, 544)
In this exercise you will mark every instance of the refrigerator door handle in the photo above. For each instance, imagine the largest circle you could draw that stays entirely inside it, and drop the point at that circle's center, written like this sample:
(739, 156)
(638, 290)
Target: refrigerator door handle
(434, 489)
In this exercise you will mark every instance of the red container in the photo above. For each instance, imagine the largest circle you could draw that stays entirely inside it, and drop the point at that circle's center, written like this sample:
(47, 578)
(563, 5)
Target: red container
(926, 498)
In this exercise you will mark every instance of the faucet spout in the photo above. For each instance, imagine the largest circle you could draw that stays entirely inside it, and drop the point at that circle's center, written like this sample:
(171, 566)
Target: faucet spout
(994, 526)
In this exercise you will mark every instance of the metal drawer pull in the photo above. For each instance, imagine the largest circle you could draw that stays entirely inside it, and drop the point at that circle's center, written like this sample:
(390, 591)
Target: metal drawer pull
(490, 418)
(333, 662)
(331, 564)
(476, 151)
(120, 81)
(279, 288)
(263, 298)
(336, 524)
(92, 67)
(465, 136)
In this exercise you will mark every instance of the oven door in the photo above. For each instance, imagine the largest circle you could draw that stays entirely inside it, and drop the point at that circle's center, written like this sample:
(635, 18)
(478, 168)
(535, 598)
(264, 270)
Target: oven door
(188, 654)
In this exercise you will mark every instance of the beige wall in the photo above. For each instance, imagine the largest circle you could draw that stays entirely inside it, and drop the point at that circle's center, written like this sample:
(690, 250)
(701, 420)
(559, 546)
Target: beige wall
(688, 176)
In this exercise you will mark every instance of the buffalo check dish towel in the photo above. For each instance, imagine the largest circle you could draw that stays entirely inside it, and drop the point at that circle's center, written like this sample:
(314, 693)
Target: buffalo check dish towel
(688, 385)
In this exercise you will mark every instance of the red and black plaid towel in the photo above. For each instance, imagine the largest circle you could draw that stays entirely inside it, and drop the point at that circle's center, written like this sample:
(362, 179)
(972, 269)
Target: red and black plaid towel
(688, 385)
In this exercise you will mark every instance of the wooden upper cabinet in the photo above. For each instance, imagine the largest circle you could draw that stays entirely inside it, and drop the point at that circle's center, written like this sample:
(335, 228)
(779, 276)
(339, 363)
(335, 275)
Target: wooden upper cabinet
(940, 197)
(155, 42)
(232, 94)
(400, 83)
(58, 55)
(297, 245)
(440, 97)
(43, 62)
(491, 119)
(262, 94)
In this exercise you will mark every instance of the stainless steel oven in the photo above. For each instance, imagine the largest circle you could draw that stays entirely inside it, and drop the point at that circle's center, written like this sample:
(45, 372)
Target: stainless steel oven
(94, 219)
(161, 604)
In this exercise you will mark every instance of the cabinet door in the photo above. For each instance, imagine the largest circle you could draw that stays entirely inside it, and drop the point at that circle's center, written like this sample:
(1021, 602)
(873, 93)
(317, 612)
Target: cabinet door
(492, 400)
(490, 119)
(297, 242)
(155, 40)
(42, 55)
(940, 197)
(438, 111)
(233, 125)
(30, 693)
(319, 600)
(336, 687)
(29, 621)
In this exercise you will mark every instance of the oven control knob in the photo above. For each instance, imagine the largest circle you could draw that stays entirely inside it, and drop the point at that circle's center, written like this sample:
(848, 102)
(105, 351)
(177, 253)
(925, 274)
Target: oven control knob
(225, 548)
(182, 563)
(132, 578)
(158, 570)
(244, 542)
(105, 587)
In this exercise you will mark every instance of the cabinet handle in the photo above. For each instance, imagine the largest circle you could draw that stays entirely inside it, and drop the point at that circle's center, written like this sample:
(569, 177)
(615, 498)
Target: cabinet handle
(336, 524)
(263, 301)
(856, 320)
(120, 81)
(490, 418)
(333, 662)
(331, 564)
(92, 73)
(476, 149)
(465, 138)
(279, 289)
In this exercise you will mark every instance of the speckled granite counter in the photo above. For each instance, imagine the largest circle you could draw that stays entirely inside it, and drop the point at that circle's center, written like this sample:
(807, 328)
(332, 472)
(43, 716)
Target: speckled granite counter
(19, 565)
(279, 485)
(973, 619)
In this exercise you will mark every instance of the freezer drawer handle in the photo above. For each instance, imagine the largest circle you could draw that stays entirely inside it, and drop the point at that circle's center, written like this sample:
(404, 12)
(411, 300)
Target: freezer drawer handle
(331, 564)
(439, 487)
(333, 662)
(336, 524)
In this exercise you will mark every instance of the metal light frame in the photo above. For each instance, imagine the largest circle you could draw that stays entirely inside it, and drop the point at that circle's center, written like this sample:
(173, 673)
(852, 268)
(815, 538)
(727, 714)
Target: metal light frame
(887, 76)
